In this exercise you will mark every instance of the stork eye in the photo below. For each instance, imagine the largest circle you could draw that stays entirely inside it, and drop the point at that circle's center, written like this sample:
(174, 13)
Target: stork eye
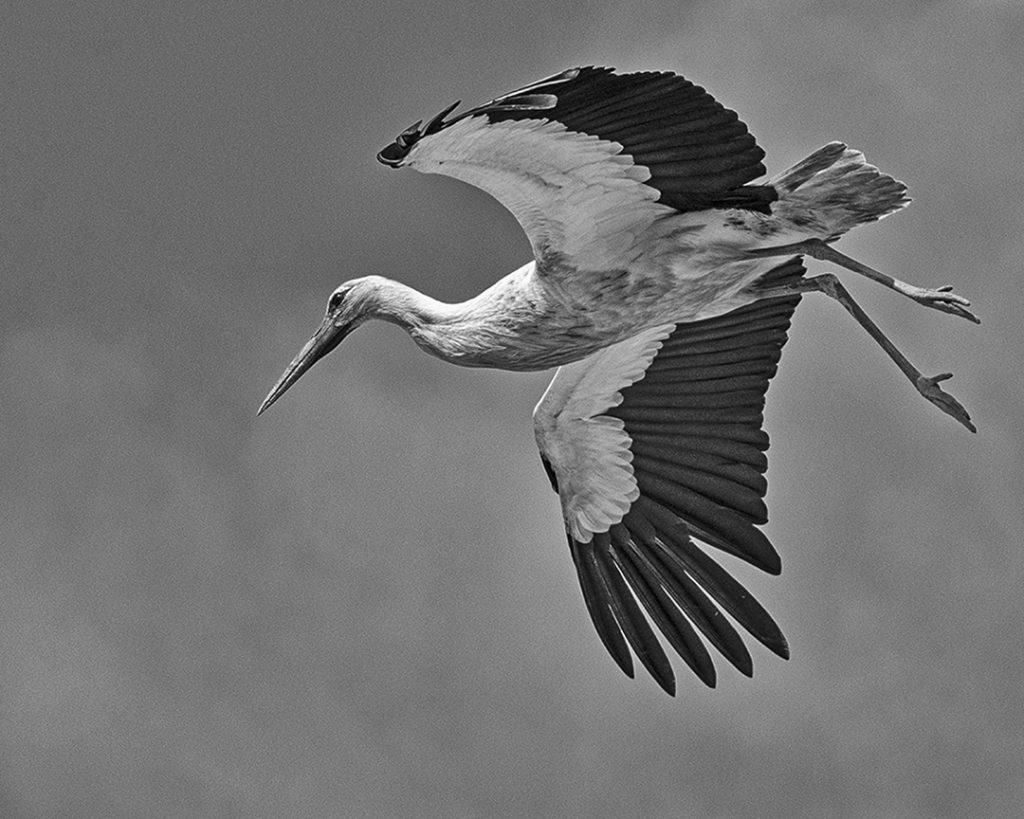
(335, 302)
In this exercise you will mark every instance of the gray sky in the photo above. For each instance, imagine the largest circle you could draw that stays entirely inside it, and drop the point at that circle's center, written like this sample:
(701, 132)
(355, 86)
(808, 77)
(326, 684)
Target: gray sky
(362, 603)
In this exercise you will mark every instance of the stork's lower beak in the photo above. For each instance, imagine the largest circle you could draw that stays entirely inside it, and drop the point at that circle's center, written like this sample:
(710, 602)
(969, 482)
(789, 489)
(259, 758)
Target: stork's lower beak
(323, 341)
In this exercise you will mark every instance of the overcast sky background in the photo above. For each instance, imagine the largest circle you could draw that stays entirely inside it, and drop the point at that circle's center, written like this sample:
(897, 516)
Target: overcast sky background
(361, 603)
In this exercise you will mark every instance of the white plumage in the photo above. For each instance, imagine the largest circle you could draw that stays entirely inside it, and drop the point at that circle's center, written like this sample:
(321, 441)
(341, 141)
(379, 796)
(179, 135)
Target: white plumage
(588, 449)
(657, 288)
(576, 196)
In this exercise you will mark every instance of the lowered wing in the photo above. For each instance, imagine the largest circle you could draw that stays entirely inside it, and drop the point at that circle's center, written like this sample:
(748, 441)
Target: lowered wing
(587, 159)
(651, 443)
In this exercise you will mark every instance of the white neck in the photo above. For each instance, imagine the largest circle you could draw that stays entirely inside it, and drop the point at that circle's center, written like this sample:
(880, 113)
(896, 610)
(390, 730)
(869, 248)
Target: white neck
(512, 325)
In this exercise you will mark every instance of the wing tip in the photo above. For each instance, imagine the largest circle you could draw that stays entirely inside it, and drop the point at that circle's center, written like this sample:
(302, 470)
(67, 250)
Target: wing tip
(634, 576)
(393, 154)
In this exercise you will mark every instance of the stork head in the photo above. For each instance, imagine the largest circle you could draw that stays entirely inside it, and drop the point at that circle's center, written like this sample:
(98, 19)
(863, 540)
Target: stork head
(350, 305)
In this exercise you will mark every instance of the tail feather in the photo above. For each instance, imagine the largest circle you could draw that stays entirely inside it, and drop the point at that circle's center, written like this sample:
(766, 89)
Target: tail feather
(792, 178)
(834, 189)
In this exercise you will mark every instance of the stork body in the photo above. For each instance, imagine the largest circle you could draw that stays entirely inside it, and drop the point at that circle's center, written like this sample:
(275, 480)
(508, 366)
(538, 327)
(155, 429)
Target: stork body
(656, 288)
(683, 267)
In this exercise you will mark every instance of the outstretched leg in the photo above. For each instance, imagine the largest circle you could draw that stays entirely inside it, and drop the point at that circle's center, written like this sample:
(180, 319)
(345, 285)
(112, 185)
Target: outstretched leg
(940, 299)
(928, 386)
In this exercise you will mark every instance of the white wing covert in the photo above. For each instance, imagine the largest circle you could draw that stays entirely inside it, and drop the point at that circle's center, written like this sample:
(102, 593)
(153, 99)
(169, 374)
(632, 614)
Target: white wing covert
(687, 458)
(590, 448)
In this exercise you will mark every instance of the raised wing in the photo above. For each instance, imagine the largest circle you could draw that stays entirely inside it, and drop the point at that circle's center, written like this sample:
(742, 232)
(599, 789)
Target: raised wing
(652, 441)
(587, 159)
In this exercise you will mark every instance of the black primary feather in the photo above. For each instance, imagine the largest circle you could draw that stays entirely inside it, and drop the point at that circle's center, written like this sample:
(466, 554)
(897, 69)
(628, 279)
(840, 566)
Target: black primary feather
(700, 155)
(695, 424)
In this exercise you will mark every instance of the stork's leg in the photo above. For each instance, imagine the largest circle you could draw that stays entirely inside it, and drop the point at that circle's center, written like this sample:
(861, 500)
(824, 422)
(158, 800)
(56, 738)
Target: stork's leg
(940, 299)
(928, 386)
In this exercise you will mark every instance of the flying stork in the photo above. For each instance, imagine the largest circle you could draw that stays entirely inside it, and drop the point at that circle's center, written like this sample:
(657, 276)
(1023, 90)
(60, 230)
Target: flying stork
(661, 287)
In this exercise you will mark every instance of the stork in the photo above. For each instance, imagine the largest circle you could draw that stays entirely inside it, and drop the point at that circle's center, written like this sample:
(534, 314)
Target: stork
(661, 286)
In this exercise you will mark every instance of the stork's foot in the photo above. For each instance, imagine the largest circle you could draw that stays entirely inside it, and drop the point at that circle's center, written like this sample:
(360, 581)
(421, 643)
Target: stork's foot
(942, 298)
(930, 389)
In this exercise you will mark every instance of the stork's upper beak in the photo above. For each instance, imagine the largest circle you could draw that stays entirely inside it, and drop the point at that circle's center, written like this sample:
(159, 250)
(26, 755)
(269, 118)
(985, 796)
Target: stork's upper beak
(323, 341)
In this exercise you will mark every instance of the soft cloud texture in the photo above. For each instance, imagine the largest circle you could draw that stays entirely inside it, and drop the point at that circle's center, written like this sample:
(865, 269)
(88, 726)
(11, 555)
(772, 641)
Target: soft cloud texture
(362, 603)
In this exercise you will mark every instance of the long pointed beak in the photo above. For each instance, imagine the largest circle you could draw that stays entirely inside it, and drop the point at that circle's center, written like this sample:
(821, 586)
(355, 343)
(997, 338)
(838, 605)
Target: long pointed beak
(323, 341)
